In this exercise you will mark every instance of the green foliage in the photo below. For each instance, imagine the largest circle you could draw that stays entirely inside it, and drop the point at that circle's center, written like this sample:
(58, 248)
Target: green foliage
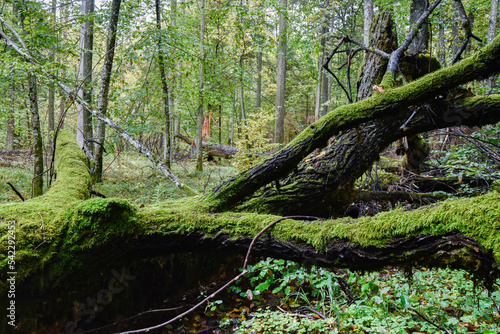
(254, 145)
(473, 157)
(391, 301)
(276, 322)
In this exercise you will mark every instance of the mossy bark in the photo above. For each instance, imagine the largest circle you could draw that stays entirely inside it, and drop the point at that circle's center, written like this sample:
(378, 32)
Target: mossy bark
(66, 243)
(324, 185)
(390, 102)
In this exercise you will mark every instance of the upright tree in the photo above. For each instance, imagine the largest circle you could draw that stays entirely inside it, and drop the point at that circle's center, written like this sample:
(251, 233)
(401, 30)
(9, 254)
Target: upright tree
(200, 116)
(279, 127)
(164, 86)
(104, 90)
(492, 28)
(37, 183)
(51, 99)
(84, 118)
(367, 20)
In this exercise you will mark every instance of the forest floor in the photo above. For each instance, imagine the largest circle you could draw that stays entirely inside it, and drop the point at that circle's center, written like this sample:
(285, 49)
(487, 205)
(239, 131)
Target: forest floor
(280, 296)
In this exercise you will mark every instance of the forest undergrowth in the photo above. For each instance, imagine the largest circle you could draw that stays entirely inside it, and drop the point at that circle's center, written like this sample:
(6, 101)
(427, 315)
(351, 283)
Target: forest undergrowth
(279, 296)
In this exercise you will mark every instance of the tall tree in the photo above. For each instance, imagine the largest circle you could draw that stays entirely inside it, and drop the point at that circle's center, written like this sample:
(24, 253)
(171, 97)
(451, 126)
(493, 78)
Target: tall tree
(325, 80)
(9, 139)
(492, 27)
(84, 118)
(104, 90)
(421, 40)
(51, 101)
(37, 183)
(165, 90)
(200, 118)
(279, 127)
(167, 154)
(367, 20)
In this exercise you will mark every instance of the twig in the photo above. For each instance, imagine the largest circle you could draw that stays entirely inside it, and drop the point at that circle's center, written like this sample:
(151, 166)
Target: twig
(237, 277)
(326, 67)
(427, 320)
(15, 190)
(135, 316)
(43, 233)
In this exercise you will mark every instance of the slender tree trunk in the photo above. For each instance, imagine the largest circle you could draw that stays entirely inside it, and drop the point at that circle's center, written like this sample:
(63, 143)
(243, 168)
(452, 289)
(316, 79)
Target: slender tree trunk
(164, 85)
(279, 127)
(441, 46)
(171, 97)
(368, 17)
(492, 27)
(258, 88)
(421, 40)
(9, 140)
(37, 183)
(51, 102)
(242, 90)
(325, 80)
(104, 91)
(37, 138)
(317, 105)
(200, 119)
(84, 118)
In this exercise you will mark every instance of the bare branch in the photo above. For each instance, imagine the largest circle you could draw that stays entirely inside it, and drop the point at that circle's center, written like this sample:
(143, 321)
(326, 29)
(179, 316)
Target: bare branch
(396, 55)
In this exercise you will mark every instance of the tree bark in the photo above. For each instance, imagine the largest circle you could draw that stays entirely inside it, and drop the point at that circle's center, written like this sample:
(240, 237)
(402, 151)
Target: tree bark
(51, 101)
(492, 28)
(166, 105)
(383, 37)
(84, 118)
(104, 90)
(9, 139)
(367, 20)
(279, 125)
(37, 183)
(324, 185)
(390, 102)
(200, 117)
(421, 40)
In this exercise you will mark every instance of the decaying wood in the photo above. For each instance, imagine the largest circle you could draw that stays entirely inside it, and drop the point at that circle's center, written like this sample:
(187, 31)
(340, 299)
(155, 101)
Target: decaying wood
(391, 102)
(214, 150)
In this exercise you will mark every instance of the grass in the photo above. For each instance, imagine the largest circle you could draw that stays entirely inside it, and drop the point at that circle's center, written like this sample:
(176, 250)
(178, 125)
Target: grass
(129, 176)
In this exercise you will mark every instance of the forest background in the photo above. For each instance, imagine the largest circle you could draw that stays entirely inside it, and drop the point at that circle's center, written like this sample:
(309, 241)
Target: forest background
(237, 73)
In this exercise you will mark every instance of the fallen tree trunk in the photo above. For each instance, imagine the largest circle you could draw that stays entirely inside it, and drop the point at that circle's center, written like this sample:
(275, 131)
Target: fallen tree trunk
(390, 102)
(64, 241)
(214, 150)
(324, 185)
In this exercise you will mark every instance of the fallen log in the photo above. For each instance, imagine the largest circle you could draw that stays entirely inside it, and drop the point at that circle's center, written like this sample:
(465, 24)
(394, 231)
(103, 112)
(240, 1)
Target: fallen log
(214, 150)
(73, 252)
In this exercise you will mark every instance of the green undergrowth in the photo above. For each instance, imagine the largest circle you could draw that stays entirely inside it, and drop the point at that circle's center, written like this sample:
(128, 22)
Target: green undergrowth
(281, 296)
(133, 177)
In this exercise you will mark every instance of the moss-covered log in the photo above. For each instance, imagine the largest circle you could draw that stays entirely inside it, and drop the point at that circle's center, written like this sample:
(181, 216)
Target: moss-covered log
(73, 225)
(324, 185)
(390, 102)
(65, 241)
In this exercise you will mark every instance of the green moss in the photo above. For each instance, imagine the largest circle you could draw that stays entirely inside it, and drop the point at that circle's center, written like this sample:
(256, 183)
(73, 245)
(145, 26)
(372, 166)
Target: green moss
(91, 223)
(388, 81)
(39, 223)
